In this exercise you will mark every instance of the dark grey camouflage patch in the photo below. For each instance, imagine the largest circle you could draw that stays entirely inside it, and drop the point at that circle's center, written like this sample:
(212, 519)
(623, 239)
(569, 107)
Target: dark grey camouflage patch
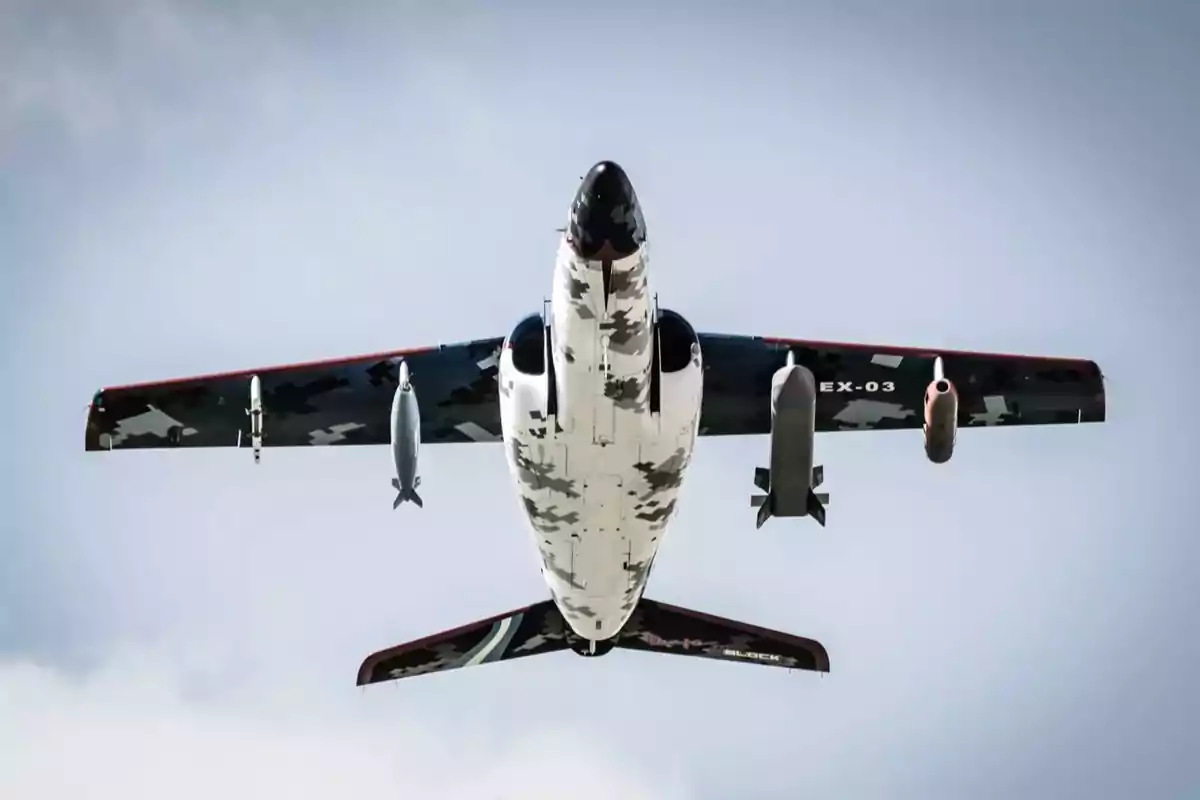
(627, 335)
(629, 284)
(547, 520)
(654, 513)
(577, 289)
(638, 571)
(577, 610)
(664, 476)
(625, 393)
(564, 575)
(536, 475)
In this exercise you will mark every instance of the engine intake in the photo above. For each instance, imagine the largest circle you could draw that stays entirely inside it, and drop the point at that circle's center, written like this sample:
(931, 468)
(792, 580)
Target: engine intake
(528, 344)
(676, 338)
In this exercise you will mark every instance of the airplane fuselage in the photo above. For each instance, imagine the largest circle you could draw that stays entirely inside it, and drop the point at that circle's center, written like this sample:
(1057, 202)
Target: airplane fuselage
(599, 480)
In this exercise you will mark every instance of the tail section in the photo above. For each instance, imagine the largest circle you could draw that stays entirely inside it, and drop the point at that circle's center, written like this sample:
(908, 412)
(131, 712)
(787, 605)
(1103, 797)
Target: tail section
(765, 503)
(405, 494)
(540, 628)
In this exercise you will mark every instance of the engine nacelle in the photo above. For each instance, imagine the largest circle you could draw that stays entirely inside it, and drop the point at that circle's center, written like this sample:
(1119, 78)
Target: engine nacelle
(526, 377)
(941, 416)
(678, 343)
(676, 369)
(528, 345)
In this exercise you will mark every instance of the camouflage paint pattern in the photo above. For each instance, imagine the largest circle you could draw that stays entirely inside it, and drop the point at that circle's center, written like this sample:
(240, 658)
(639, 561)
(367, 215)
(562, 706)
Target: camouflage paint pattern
(599, 477)
(599, 482)
(346, 401)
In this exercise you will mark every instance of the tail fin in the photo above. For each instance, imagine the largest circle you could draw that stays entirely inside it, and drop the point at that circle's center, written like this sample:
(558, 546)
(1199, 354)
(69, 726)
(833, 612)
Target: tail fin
(402, 495)
(540, 628)
(762, 478)
(763, 501)
(816, 506)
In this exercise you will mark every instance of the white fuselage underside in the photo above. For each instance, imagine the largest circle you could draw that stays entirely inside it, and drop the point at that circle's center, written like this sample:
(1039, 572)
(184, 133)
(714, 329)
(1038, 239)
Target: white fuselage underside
(600, 487)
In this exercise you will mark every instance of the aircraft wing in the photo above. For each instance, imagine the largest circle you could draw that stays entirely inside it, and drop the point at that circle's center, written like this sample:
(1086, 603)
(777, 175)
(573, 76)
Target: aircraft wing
(527, 631)
(880, 387)
(340, 401)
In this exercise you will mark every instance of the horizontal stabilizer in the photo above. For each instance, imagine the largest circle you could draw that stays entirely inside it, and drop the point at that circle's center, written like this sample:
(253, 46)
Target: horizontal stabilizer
(818, 475)
(527, 631)
(757, 500)
(661, 628)
(540, 628)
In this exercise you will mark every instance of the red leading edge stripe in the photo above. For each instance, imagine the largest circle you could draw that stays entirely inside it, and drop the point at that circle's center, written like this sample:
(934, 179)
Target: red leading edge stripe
(326, 362)
(924, 352)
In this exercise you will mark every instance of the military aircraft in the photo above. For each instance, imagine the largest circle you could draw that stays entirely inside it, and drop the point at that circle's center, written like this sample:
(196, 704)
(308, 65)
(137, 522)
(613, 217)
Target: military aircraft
(598, 403)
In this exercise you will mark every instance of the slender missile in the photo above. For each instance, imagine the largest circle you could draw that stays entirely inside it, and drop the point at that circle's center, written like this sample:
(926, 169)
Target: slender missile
(406, 440)
(256, 417)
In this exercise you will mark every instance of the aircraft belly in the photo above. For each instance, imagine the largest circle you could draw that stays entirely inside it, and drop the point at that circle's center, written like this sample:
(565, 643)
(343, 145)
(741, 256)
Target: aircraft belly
(600, 487)
(599, 527)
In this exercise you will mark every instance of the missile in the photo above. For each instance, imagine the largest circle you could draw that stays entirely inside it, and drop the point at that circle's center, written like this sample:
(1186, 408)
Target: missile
(406, 440)
(255, 412)
(789, 482)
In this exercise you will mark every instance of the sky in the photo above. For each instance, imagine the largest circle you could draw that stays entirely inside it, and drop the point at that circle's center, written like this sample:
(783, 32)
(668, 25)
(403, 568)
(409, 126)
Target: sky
(190, 187)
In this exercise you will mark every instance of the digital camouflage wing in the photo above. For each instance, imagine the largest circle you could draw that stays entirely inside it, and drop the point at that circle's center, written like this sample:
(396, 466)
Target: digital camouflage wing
(340, 401)
(527, 631)
(879, 387)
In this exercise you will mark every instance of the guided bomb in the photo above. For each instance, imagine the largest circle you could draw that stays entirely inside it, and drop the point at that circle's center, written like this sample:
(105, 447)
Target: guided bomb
(791, 477)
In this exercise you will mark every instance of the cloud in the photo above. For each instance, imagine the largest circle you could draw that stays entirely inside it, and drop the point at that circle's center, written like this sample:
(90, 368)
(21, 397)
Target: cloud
(130, 730)
(105, 73)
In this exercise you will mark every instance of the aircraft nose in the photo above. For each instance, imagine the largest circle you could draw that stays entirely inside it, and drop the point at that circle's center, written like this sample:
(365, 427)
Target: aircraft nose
(606, 220)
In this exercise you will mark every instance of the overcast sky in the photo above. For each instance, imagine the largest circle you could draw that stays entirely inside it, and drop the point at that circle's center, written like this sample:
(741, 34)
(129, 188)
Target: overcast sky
(190, 187)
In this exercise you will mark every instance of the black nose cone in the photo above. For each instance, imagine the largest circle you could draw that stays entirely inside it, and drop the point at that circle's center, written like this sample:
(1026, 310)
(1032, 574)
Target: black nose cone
(606, 220)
